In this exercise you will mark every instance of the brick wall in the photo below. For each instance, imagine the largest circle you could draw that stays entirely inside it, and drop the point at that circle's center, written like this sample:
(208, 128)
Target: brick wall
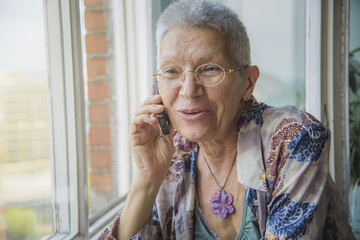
(99, 103)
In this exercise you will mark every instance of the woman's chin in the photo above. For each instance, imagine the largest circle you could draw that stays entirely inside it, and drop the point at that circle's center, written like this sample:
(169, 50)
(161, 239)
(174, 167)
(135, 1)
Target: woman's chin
(195, 134)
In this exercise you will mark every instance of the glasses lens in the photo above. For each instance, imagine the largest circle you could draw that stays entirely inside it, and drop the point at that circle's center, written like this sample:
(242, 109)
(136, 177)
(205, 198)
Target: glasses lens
(210, 74)
(170, 76)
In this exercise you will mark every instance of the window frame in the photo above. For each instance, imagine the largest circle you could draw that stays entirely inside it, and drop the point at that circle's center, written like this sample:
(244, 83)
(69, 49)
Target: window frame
(68, 133)
(67, 104)
(327, 84)
(313, 58)
(338, 51)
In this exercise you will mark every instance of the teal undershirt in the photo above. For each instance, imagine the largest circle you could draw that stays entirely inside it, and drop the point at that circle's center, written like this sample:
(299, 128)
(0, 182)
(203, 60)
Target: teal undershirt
(248, 230)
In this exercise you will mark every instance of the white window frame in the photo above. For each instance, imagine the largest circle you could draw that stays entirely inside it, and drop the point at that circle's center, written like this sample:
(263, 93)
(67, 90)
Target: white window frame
(313, 58)
(327, 81)
(70, 221)
(69, 153)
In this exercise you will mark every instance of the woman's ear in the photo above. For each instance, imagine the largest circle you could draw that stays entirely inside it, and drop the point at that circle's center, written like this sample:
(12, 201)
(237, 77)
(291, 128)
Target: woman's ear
(250, 77)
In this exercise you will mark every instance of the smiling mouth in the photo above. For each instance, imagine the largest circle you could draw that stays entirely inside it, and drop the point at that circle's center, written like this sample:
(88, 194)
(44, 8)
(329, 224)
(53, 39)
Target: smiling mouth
(192, 115)
(192, 112)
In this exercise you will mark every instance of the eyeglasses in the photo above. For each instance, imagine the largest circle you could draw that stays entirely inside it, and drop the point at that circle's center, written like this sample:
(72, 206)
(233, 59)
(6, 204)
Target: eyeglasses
(208, 74)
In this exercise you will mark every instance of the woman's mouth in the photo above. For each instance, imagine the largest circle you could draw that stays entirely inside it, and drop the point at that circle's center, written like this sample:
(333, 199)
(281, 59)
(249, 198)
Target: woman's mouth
(192, 114)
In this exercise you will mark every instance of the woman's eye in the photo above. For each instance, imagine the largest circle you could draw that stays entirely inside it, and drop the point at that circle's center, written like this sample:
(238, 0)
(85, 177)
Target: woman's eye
(171, 71)
(210, 69)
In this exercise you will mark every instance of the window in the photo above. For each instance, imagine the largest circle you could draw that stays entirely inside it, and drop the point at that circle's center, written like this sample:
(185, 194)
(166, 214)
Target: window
(72, 74)
(69, 194)
(42, 171)
(118, 78)
(277, 43)
(25, 146)
(354, 115)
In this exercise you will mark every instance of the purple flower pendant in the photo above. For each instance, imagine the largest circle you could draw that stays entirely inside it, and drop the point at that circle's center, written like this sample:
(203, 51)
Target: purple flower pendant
(222, 204)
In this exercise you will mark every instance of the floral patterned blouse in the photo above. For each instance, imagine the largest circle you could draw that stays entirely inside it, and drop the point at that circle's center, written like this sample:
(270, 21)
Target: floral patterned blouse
(282, 160)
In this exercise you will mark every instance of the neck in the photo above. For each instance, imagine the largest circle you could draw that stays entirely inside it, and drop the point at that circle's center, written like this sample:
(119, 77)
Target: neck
(219, 154)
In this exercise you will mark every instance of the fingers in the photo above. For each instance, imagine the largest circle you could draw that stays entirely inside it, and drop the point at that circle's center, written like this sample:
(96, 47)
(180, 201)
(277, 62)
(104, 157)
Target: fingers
(146, 115)
(154, 99)
(150, 105)
(145, 118)
(149, 109)
(143, 128)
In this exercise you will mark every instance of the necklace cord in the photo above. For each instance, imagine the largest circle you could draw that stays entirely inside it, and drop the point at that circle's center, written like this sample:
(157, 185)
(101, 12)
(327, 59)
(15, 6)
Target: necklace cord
(213, 173)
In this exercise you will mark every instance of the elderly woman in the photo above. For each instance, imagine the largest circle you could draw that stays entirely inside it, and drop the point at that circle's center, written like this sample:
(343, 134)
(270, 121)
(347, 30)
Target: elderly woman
(232, 168)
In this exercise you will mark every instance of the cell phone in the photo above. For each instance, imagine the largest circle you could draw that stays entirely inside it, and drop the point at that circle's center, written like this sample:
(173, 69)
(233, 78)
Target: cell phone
(163, 117)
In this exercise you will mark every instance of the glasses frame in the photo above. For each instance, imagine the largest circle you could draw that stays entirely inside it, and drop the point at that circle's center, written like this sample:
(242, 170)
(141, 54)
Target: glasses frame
(226, 71)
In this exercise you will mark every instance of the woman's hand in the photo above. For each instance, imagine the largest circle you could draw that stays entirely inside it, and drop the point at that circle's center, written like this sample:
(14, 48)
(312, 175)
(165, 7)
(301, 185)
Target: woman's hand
(152, 153)
(151, 150)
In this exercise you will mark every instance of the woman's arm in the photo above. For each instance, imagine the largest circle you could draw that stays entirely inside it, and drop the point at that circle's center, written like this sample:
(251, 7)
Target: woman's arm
(152, 153)
(138, 207)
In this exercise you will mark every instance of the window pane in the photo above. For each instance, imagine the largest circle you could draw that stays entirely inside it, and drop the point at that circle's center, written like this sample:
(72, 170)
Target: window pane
(102, 140)
(354, 114)
(25, 171)
(277, 39)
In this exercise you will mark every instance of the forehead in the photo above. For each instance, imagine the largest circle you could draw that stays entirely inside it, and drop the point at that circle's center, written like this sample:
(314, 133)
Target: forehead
(193, 43)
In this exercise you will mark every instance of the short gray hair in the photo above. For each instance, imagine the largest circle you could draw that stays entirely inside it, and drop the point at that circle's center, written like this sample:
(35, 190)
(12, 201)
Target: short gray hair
(208, 14)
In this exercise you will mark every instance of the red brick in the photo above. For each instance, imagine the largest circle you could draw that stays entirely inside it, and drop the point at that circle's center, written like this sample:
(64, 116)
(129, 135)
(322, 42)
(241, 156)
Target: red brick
(95, 43)
(93, 3)
(99, 136)
(98, 91)
(100, 159)
(94, 20)
(96, 67)
(101, 181)
(99, 113)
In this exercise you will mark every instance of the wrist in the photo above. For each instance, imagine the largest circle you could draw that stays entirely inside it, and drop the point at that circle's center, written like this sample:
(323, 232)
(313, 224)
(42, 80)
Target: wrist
(149, 185)
(138, 206)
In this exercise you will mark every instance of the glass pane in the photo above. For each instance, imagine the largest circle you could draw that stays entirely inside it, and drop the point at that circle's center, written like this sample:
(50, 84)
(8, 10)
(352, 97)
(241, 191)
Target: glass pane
(277, 40)
(102, 142)
(354, 114)
(25, 169)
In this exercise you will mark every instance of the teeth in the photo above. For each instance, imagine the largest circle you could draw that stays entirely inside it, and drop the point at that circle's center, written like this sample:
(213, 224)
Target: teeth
(191, 112)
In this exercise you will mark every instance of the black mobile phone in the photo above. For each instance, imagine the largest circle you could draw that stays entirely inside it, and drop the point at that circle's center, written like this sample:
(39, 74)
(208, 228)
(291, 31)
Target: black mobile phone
(163, 117)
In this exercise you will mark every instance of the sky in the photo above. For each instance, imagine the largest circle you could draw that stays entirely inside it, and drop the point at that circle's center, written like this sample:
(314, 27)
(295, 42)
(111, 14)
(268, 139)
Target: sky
(22, 41)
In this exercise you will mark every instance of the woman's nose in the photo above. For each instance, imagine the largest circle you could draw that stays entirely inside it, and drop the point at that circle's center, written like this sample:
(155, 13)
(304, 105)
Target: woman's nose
(190, 87)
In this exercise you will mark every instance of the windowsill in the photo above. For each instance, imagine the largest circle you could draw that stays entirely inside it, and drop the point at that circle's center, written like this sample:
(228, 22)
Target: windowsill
(100, 223)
